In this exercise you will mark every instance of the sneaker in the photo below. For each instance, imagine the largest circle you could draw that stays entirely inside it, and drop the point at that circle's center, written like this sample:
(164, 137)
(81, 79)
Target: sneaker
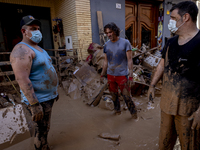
(117, 112)
(134, 116)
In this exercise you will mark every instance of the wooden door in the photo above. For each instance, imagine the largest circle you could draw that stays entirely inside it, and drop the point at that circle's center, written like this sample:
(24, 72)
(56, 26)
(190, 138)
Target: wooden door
(131, 23)
(141, 24)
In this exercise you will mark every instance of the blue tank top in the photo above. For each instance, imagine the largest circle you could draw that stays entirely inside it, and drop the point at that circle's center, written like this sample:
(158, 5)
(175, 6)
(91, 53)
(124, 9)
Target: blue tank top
(43, 76)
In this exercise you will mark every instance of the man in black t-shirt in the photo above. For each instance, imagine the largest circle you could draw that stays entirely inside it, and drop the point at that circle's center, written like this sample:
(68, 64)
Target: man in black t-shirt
(179, 67)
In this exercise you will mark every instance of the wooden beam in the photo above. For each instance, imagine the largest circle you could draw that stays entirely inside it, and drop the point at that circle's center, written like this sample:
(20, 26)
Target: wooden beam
(6, 73)
(101, 28)
(146, 52)
(3, 53)
(4, 63)
(61, 50)
(8, 83)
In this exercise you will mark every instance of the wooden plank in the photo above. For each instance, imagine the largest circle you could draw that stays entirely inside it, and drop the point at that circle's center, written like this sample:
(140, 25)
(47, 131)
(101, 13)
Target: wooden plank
(6, 73)
(64, 65)
(146, 52)
(4, 63)
(96, 97)
(100, 24)
(3, 53)
(60, 50)
(8, 83)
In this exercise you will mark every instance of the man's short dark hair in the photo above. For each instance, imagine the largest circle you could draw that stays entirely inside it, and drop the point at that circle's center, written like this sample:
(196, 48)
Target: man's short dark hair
(187, 7)
(112, 26)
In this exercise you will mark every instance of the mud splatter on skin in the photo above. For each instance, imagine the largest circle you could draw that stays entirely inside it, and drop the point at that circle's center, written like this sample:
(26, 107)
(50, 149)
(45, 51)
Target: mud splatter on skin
(5, 113)
(19, 53)
(14, 110)
(21, 118)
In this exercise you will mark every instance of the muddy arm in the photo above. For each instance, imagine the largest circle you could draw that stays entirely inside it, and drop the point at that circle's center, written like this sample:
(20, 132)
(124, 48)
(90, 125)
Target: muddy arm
(105, 66)
(130, 62)
(21, 62)
(159, 73)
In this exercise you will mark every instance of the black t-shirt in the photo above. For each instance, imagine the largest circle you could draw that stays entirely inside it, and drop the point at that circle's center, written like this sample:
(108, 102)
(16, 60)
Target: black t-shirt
(184, 59)
(181, 79)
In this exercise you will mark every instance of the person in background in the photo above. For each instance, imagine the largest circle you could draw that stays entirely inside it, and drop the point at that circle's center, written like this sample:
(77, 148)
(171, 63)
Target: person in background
(119, 67)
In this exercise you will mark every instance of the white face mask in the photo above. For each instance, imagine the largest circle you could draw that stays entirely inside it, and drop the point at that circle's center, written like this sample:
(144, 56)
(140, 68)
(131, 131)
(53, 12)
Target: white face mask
(172, 26)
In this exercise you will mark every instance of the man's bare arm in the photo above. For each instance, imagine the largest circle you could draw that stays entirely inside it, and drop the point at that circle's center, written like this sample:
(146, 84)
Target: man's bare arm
(21, 62)
(105, 66)
(159, 73)
(130, 62)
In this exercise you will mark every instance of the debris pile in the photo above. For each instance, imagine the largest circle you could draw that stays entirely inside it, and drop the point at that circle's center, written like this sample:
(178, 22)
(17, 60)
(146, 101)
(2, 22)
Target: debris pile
(84, 80)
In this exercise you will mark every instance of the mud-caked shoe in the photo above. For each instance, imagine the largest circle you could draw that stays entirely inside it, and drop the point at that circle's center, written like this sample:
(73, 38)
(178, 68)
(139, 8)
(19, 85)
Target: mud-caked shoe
(117, 112)
(134, 116)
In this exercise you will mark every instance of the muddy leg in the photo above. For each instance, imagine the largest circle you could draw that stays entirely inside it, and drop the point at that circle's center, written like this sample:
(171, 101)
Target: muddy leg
(130, 104)
(168, 135)
(116, 102)
(113, 88)
(126, 93)
(189, 139)
(43, 126)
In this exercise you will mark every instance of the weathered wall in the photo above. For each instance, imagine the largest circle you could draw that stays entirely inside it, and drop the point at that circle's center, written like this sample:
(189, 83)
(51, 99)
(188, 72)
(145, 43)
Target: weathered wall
(109, 13)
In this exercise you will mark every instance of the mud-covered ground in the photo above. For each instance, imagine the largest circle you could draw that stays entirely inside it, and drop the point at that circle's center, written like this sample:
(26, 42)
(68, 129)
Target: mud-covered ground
(76, 126)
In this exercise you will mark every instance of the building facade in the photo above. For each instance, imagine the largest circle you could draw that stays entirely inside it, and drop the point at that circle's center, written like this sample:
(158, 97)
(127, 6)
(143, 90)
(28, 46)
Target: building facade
(75, 16)
(140, 21)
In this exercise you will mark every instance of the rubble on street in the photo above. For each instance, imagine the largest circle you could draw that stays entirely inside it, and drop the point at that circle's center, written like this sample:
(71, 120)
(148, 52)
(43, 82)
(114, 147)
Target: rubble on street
(81, 80)
(85, 84)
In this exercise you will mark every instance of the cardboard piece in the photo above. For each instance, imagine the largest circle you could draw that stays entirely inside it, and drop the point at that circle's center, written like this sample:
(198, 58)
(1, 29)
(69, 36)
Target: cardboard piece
(93, 47)
(96, 97)
(74, 89)
(98, 59)
(85, 74)
(13, 126)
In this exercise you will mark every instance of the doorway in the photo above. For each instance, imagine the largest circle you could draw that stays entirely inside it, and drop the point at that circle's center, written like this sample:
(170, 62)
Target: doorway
(141, 23)
(10, 17)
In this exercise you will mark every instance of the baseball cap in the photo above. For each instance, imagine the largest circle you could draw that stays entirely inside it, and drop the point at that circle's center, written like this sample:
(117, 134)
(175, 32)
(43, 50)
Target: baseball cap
(28, 20)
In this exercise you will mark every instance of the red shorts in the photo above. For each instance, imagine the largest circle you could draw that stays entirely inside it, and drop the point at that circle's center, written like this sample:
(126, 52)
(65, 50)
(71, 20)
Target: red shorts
(116, 82)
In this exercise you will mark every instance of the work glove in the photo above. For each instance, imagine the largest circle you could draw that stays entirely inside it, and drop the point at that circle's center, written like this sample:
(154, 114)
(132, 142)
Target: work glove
(151, 93)
(130, 82)
(196, 120)
(37, 112)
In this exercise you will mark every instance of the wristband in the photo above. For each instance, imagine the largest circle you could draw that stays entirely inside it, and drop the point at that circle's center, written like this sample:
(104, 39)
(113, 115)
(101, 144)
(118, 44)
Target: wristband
(37, 103)
(130, 78)
(152, 86)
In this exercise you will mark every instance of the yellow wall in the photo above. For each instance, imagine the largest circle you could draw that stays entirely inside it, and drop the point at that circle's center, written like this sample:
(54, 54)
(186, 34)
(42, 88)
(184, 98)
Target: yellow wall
(77, 23)
(84, 28)
(76, 18)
